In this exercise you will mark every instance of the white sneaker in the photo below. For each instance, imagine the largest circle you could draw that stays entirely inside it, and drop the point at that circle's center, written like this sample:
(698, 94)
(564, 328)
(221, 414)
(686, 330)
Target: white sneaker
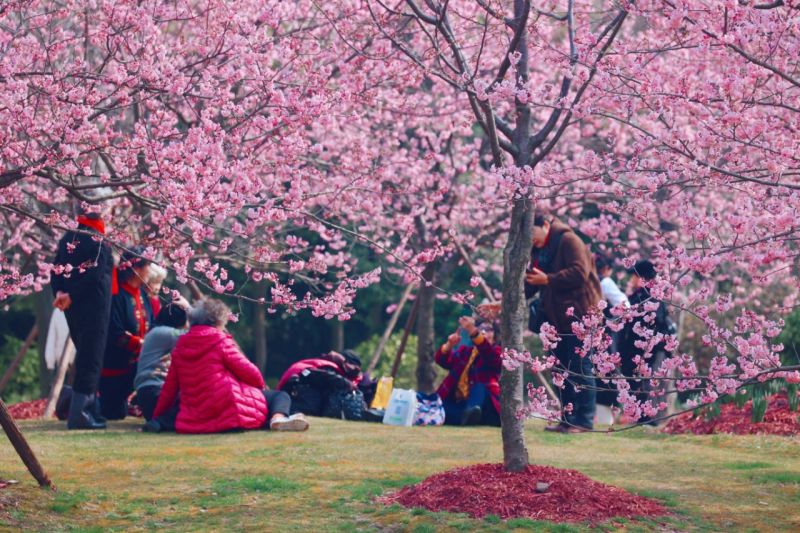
(296, 422)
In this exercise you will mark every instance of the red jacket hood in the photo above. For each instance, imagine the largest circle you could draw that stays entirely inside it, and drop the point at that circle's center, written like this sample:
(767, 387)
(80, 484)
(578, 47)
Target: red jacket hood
(200, 340)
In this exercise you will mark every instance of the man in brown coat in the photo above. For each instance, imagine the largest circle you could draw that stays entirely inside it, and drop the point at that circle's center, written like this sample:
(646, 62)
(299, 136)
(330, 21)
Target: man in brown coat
(562, 270)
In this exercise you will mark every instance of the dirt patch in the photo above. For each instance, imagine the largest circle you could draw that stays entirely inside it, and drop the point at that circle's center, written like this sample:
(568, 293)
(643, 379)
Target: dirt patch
(778, 420)
(487, 489)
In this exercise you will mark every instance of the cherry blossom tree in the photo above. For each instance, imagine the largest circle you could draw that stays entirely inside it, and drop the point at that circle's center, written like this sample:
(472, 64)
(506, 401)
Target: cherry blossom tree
(200, 124)
(677, 119)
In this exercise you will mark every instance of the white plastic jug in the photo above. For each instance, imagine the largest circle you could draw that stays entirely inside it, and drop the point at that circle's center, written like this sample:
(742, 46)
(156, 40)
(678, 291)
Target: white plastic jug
(402, 408)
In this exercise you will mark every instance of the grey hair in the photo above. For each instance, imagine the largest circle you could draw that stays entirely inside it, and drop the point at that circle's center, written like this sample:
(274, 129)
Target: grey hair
(208, 312)
(157, 273)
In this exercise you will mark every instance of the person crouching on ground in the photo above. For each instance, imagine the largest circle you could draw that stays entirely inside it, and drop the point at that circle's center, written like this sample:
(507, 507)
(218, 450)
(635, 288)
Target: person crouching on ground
(130, 320)
(170, 323)
(471, 391)
(219, 388)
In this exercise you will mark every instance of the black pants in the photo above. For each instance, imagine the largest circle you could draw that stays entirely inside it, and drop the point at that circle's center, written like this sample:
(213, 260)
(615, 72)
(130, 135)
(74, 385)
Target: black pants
(114, 392)
(581, 376)
(278, 402)
(147, 399)
(88, 329)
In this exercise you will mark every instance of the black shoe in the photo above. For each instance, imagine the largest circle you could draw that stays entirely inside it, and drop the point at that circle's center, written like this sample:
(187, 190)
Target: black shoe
(79, 416)
(152, 426)
(94, 410)
(472, 416)
(85, 421)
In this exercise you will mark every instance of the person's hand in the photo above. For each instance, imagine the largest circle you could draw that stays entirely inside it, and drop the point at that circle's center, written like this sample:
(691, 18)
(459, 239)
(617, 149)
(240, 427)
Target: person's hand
(453, 339)
(63, 301)
(467, 323)
(536, 277)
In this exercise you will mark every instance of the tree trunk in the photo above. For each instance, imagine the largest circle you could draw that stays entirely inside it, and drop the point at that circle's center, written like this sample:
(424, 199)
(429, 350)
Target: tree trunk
(58, 381)
(338, 335)
(260, 338)
(44, 311)
(426, 371)
(512, 326)
(376, 356)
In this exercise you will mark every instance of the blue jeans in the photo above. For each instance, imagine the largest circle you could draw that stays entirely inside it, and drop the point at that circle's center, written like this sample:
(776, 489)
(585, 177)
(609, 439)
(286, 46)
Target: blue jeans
(581, 376)
(478, 395)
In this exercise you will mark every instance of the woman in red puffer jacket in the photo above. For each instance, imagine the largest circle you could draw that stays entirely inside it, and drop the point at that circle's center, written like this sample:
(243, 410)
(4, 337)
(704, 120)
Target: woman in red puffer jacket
(217, 387)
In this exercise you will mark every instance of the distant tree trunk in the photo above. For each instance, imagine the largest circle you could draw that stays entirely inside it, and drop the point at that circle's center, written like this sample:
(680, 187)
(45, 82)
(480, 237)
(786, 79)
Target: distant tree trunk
(338, 335)
(260, 338)
(43, 308)
(426, 372)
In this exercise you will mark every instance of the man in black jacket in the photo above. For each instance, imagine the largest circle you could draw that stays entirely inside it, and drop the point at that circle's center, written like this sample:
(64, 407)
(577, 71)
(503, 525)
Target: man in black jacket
(83, 292)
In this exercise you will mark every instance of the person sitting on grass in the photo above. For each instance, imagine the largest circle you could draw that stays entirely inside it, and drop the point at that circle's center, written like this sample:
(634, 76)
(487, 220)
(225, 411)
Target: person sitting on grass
(220, 390)
(153, 364)
(471, 391)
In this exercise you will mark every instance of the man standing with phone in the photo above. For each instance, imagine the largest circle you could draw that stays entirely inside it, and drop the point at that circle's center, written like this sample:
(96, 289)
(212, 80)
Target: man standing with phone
(562, 271)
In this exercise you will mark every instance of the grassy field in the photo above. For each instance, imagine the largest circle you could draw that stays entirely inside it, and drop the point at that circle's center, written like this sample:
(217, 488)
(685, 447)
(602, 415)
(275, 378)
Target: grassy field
(325, 479)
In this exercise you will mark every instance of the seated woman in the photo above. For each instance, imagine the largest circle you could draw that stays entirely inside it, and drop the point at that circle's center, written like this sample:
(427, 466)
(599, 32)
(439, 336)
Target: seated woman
(151, 369)
(220, 390)
(471, 391)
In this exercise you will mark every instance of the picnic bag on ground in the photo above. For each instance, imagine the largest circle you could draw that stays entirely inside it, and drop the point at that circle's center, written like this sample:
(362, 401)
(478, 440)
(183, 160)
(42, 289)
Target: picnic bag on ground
(345, 405)
(430, 410)
(382, 393)
(402, 408)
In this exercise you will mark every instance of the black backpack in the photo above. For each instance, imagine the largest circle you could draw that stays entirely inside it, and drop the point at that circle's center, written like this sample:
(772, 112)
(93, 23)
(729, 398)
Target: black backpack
(345, 405)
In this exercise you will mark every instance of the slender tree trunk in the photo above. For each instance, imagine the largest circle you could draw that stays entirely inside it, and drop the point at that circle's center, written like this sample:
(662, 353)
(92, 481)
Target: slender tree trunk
(426, 372)
(23, 350)
(514, 313)
(44, 311)
(512, 326)
(376, 356)
(338, 335)
(67, 354)
(260, 338)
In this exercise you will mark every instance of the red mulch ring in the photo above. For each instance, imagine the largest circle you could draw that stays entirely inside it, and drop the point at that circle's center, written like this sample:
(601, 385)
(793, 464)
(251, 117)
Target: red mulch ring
(487, 489)
(778, 420)
(28, 410)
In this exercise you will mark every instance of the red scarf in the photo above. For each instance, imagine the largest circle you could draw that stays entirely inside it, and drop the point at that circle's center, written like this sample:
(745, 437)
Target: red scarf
(96, 224)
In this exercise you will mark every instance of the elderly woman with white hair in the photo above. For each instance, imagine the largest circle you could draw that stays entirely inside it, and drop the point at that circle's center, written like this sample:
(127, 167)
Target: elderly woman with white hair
(155, 279)
(219, 388)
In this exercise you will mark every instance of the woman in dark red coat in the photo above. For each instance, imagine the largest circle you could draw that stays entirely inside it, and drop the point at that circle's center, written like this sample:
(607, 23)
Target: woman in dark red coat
(471, 391)
(217, 387)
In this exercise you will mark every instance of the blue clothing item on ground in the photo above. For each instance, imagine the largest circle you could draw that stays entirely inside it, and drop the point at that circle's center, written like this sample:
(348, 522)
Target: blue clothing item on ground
(582, 376)
(478, 395)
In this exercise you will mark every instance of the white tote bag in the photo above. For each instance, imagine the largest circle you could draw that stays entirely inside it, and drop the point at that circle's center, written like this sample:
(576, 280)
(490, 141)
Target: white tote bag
(402, 408)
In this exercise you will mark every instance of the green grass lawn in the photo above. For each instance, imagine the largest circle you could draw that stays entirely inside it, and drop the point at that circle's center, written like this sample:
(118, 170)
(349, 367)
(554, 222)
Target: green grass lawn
(325, 479)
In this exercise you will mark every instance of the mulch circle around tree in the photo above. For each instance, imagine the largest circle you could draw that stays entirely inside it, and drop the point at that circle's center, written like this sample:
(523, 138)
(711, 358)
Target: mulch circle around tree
(778, 420)
(28, 410)
(487, 489)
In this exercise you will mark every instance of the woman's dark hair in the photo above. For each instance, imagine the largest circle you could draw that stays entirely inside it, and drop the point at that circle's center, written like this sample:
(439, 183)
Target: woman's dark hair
(603, 261)
(173, 316)
(132, 258)
(539, 221)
